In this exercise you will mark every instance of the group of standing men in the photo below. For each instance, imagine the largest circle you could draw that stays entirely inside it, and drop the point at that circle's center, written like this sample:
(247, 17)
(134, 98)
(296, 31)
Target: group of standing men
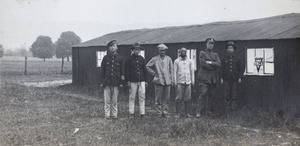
(115, 72)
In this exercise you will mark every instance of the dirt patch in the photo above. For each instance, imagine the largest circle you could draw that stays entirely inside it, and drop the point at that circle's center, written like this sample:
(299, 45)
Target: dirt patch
(55, 83)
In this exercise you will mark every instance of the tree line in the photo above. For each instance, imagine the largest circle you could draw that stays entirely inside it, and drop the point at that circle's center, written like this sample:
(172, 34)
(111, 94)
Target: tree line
(44, 48)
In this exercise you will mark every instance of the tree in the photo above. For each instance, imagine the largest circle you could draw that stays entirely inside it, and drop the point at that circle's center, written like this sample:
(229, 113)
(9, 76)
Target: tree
(22, 52)
(64, 45)
(1, 50)
(42, 47)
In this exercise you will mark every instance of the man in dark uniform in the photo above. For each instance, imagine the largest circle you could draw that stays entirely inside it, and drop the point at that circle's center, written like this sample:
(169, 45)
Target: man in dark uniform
(135, 76)
(231, 73)
(112, 73)
(208, 75)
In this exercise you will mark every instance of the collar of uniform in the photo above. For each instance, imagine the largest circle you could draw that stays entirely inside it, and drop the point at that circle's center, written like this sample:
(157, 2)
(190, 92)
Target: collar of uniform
(228, 55)
(112, 55)
(183, 58)
(208, 50)
(133, 55)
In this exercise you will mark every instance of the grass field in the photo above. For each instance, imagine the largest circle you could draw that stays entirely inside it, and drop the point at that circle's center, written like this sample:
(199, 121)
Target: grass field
(72, 115)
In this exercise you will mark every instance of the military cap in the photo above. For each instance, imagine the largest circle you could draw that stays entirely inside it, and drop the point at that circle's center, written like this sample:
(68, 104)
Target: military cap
(162, 47)
(136, 45)
(230, 43)
(212, 40)
(111, 43)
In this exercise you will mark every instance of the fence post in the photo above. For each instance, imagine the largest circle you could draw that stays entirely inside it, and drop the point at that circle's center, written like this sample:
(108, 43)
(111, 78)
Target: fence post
(25, 72)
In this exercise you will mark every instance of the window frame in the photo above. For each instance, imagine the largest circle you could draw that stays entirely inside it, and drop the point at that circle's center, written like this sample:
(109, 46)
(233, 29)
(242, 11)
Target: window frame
(264, 63)
(98, 64)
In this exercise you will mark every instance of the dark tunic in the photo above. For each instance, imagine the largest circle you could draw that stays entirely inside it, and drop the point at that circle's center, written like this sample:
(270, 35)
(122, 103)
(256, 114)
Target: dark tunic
(135, 69)
(112, 69)
(208, 73)
(231, 68)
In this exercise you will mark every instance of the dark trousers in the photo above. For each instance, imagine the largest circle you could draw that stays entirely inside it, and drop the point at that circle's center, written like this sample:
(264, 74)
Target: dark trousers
(230, 94)
(207, 93)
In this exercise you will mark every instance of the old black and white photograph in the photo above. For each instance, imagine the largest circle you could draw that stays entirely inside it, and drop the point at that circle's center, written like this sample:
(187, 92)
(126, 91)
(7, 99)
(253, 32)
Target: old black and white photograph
(149, 72)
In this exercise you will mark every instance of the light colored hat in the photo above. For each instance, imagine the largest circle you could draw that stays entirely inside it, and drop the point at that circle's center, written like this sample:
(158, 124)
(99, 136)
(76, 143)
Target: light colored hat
(162, 47)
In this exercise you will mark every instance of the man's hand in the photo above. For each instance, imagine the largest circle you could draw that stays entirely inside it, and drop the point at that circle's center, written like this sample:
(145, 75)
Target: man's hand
(240, 80)
(128, 85)
(222, 81)
(122, 77)
(175, 84)
(101, 85)
(208, 62)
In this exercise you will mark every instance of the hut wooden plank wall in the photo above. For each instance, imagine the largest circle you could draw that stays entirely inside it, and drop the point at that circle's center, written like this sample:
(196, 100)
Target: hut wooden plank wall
(277, 92)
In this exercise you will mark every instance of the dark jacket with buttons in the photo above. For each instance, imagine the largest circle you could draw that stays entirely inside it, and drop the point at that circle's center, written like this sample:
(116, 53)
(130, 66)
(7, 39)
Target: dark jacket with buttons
(231, 68)
(135, 69)
(112, 69)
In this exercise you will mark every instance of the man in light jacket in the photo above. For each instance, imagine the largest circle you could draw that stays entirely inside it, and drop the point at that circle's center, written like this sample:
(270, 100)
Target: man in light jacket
(161, 67)
(183, 80)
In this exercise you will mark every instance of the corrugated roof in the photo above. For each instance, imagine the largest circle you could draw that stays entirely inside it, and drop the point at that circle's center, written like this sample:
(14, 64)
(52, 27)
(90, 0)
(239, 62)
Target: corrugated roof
(278, 27)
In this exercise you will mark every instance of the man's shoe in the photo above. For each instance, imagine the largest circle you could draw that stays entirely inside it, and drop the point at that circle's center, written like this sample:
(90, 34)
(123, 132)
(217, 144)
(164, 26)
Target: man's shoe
(142, 116)
(189, 116)
(177, 116)
(158, 112)
(131, 116)
(114, 118)
(165, 115)
(198, 115)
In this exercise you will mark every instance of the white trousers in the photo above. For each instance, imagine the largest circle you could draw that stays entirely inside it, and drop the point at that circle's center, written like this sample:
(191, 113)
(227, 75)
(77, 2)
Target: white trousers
(137, 88)
(110, 101)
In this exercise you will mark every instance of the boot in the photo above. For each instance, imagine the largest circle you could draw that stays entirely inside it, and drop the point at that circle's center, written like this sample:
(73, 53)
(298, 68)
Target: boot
(199, 105)
(178, 106)
(187, 106)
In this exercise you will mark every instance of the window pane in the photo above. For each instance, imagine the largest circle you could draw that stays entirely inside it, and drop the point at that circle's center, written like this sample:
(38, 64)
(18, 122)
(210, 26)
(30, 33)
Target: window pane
(142, 53)
(194, 58)
(269, 61)
(250, 60)
(100, 55)
(188, 53)
(269, 68)
(259, 53)
(269, 55)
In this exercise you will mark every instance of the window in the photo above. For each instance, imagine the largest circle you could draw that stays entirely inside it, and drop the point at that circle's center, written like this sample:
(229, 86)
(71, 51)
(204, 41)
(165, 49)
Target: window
(100, 55)
(259, 61)
(142, 53)
(191, 54)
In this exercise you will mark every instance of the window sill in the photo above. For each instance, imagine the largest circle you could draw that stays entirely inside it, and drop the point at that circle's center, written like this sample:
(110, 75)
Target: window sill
(249, 74)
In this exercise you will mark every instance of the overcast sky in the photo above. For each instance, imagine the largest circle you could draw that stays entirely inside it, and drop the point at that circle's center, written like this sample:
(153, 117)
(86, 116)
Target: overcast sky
(22, 21)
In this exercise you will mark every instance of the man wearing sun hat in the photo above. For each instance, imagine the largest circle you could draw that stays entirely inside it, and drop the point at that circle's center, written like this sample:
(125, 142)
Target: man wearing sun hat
(112, 72)
(161, 67)
(208, 75)
(231, 73)
(136, 77)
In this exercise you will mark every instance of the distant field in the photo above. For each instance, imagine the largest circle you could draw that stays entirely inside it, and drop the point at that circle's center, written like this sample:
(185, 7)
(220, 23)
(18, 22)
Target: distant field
(15, 65)
(12, 69)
